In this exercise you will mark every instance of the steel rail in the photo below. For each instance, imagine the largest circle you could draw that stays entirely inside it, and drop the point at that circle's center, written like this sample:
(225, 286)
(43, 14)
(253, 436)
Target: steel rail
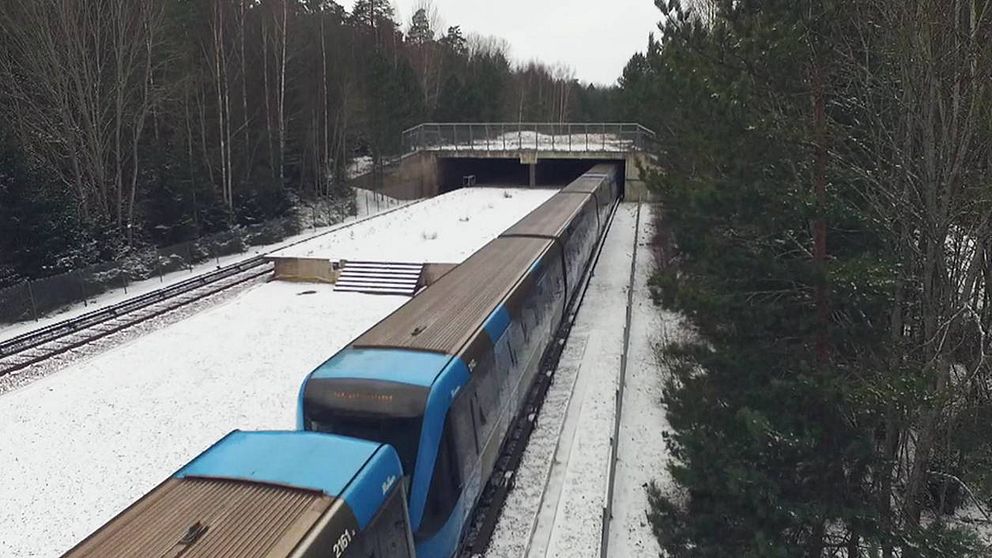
(118, 322)
(604, 544)
(38, 338)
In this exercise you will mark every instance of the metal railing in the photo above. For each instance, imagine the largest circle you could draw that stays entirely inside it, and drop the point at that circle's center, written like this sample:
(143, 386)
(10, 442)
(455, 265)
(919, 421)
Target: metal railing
(511, 136)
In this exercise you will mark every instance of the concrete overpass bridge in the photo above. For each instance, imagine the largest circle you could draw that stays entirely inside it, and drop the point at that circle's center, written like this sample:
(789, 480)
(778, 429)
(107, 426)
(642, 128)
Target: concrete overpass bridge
(440, 157)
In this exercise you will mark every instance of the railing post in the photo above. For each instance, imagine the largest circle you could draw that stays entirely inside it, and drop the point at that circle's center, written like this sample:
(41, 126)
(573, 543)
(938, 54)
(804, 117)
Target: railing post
(34, 305)
(587, 137)
(502, 133)
(82, 290)
(471, 137)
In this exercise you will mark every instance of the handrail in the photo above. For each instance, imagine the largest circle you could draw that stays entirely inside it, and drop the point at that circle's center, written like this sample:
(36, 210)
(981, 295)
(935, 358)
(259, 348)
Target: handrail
(645, 128)
(527, 136)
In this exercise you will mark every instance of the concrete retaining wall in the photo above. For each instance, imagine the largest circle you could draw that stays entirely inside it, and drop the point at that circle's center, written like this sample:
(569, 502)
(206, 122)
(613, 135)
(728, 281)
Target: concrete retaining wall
(305, 270)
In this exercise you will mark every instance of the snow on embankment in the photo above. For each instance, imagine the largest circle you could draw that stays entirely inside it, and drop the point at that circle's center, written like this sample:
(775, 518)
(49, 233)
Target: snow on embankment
(81, 445)
(313, 219)
(444, 229)
(555, 508)
(642, 452)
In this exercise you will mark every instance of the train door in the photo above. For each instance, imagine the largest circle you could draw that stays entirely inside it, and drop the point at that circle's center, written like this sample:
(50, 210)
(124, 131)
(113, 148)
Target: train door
(388, 535)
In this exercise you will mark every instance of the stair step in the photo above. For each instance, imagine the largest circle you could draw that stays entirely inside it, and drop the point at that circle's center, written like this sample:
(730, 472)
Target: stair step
(394, 284)
(368, 274)
(375, 290)
(388, 278)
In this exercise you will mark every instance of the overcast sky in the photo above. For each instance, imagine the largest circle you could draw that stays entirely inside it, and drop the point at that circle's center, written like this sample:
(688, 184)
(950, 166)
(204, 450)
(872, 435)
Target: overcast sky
(594, 37)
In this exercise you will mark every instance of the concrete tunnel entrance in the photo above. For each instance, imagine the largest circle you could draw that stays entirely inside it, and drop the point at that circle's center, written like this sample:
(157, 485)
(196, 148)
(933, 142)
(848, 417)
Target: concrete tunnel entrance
(511, 172)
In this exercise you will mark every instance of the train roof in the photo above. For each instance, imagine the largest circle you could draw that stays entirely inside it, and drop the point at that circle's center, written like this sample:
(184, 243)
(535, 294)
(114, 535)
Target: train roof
(588, 183)
(254, 494)
(551, 218)
(585, 184)
(446, 316)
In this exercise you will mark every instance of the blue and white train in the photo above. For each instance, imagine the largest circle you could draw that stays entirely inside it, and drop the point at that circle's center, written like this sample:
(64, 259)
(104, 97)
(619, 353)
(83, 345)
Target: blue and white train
(400, 431)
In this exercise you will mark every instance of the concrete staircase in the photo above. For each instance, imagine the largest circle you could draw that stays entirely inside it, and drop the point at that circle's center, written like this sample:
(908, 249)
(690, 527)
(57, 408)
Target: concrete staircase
(386, 278)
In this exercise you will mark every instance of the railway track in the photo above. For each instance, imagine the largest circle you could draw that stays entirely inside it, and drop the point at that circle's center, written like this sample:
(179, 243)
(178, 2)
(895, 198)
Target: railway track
(41, 344)
(487, 513)
(44, 343)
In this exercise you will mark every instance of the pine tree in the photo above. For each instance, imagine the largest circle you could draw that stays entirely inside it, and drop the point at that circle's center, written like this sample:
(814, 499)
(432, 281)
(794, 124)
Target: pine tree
(455, 42)
(420, 29)
(377, 15)
(784, 448)
(40, 234)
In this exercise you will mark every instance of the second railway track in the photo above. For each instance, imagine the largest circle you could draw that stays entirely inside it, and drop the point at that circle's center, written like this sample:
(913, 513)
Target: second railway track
(44, 343)
(39, 345)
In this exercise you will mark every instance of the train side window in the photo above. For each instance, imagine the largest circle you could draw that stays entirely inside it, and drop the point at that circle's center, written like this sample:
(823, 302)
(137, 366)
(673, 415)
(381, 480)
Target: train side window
(463, 427)
(474, 404)
(445, 488)
(504, 358)
(488, 393)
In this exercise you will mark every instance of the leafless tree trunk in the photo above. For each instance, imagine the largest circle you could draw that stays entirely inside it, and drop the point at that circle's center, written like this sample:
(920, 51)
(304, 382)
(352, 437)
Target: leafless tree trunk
(84, 69)
(921, 71)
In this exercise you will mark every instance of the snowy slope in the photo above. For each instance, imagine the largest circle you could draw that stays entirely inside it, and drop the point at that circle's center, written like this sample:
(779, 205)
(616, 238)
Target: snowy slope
(368, 204)
(81, 445)
(555, 508)
(642, 451)
(444, 229)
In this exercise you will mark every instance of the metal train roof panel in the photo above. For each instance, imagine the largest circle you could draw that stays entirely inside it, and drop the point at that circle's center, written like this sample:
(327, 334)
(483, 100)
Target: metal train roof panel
(254, 494)
(393, 365)
(444, 317)
(586, 184)
(551, 218)
(293, 459)
(209, 517)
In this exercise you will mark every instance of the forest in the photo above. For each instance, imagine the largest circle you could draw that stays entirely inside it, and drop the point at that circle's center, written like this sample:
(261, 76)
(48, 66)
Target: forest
(129, 124)
(825, 172)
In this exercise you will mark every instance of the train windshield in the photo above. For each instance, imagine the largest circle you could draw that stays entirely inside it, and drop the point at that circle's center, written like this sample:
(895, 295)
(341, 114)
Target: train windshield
(401, 433)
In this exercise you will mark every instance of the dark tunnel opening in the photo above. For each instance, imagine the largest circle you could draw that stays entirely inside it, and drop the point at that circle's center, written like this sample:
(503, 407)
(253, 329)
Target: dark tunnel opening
(452, 173)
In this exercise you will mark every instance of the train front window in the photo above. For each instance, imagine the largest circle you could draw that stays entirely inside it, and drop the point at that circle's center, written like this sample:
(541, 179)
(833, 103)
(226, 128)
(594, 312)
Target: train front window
(401, 433)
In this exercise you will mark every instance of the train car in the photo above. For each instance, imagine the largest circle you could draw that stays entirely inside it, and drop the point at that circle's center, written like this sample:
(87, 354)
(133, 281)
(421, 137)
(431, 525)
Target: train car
(572, 222)
(442, 378)
(419, 405)
(272, 494)
(602, 182)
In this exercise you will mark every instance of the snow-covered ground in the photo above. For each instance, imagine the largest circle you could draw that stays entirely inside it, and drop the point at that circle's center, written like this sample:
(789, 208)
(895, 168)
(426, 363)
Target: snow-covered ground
(80, 445)
(642, 454)
(359, 166)
(444, 229)
(368, 204)
(83, 442)
(556, 506)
